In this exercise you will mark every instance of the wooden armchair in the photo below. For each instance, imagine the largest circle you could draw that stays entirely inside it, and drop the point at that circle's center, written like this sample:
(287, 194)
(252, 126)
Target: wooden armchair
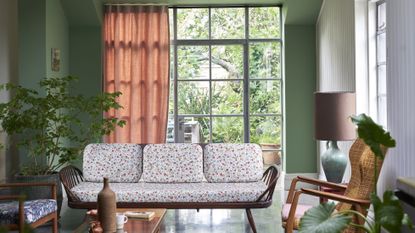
(14, 215)
(356, 193)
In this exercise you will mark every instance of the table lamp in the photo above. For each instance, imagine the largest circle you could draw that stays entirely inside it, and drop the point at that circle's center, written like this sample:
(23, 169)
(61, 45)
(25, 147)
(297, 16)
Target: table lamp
(332, 124)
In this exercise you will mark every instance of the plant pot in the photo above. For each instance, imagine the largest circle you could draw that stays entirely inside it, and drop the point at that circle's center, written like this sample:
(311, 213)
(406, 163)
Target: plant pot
(41, 192)
(270, 153)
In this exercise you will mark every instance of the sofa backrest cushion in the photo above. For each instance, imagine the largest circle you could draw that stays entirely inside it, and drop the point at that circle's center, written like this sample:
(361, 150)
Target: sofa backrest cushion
(233, 162)
(173, 163)
(118, 162)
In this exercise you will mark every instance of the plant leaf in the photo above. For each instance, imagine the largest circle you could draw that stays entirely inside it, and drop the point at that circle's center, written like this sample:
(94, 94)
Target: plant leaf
(373, 134)
(320, 219)
(389, 213)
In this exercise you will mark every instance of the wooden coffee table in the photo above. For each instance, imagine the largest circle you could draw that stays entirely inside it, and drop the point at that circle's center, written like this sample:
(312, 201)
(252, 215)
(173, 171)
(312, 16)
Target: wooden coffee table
(133, 225)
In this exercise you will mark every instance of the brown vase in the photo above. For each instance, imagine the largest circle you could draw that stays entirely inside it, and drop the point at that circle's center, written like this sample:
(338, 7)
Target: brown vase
(107, 208)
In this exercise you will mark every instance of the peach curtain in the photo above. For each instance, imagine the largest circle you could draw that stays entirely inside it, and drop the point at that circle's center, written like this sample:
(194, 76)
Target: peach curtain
(136, 63)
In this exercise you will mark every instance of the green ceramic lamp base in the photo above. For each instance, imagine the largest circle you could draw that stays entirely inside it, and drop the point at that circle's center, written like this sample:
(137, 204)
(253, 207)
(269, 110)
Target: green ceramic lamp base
(334, 162)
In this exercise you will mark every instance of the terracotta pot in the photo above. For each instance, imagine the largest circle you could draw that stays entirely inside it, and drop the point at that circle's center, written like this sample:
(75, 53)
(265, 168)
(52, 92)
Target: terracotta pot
(107, 208)
(270, 154)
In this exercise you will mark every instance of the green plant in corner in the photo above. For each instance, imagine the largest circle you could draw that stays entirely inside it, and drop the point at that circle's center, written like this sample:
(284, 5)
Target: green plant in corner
(387, 214)
(54, 126)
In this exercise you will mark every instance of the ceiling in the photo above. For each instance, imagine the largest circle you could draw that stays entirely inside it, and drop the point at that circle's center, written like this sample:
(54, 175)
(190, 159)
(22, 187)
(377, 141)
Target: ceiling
(88, 12)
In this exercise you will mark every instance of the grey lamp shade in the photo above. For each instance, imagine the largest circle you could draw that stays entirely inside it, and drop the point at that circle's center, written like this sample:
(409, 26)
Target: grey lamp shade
(332, 116)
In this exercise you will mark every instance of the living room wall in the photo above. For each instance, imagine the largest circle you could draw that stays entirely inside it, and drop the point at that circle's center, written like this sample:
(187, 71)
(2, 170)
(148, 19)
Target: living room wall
(42, 25)
(300, 79)
(8, 67)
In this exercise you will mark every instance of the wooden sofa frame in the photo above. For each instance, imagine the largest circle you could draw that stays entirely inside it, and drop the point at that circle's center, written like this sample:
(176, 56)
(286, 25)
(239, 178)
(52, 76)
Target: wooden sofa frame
(71, 176)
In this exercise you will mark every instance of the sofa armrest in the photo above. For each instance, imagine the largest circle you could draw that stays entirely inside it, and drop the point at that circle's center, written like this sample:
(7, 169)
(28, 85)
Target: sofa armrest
(270, 178)
(70, 177)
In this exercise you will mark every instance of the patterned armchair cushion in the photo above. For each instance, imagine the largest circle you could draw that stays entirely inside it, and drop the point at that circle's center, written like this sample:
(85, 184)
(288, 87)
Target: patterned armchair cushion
(33, 210)
(178, 192)
(172, 163)
(118, 162)
(233, 162)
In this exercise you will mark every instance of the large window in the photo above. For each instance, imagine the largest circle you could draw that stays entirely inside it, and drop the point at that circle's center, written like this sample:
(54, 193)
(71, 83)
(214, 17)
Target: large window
(225, 75)
(381, 61)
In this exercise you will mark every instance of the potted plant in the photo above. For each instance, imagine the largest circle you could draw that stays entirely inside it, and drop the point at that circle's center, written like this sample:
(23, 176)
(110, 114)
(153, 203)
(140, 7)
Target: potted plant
(53, 126)
(388, 214)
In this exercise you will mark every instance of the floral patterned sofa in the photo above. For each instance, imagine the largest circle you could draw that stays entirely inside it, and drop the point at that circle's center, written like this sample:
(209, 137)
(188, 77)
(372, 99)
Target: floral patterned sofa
(173, 176)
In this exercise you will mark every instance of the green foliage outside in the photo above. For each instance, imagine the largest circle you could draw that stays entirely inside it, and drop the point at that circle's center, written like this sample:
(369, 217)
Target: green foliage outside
(54, 126)
(227, 62)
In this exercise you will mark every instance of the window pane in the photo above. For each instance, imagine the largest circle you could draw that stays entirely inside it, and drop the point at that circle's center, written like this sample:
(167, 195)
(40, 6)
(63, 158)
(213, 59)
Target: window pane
(381, 48)
(228, 23)
(193, 62)
(382, 16)
(170, 129)
(227, 97)
(227, 62)
(264, 97)
(171, 24)
(228, 129)
(193, 97)
(382, 80)
(193, 130)
(264, 22)
(264, 60)
(171, 97)
(265, 129)
(193, 23)
(382, 115)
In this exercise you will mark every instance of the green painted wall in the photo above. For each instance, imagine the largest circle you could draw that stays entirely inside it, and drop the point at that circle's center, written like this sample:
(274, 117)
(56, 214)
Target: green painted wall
(32, 41)
(57, 36)
(42, 25)
(300, 82)
(85, 58)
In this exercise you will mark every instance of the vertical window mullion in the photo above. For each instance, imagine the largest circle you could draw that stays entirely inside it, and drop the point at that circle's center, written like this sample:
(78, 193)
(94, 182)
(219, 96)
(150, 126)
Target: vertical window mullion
(175, 98)
(246, 79)
(210, 79)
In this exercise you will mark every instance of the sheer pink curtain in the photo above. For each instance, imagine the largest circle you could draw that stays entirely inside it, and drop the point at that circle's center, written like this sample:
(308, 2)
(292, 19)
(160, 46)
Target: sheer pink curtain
(136, 63)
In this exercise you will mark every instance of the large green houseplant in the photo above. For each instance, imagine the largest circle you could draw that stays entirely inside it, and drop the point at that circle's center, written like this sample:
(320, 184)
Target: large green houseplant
(388, 214)
(52, 126)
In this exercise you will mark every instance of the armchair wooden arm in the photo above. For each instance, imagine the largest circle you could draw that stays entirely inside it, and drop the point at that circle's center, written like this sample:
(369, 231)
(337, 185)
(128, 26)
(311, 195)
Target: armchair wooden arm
(14, 185)
(336, 197)
(316, 182)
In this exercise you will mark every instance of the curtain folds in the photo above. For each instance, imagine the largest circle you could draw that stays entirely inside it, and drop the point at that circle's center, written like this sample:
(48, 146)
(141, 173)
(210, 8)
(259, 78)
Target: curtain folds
(136, 63)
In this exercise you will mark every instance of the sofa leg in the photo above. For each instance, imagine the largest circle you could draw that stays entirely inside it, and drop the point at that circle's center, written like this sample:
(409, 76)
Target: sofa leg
(251, 220)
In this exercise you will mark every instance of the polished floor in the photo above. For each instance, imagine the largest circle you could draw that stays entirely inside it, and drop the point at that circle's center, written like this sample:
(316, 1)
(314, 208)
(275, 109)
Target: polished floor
(205, 221)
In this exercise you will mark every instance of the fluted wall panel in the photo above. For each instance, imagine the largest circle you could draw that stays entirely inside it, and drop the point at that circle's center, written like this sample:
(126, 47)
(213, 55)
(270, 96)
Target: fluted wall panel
(335, 43)
(401, 94)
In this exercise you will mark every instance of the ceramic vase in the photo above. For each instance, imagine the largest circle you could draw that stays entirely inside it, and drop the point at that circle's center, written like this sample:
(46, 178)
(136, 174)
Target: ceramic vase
(107, 208)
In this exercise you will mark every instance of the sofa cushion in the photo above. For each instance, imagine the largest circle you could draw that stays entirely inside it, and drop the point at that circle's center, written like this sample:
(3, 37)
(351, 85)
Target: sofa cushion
(118, 162)
(172, 163)
(33, 210)
(179, 192)
(233, 162)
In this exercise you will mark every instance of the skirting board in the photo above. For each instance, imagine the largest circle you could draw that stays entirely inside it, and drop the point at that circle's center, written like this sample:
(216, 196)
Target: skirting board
(290, 176)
